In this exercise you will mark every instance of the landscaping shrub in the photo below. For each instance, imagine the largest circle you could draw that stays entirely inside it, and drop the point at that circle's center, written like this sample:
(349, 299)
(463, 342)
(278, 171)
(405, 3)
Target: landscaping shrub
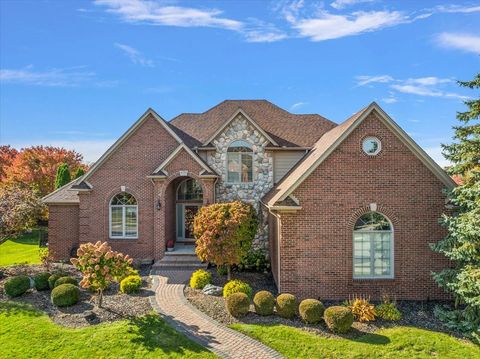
(256, 259)
(338, 319)
(237, 286)
(65, 280)
(65, 295)
(16, 286)
(222, 270)
(200, 278)
(286, 305)
(41, 281)
(53, 278)
(264, 302)
(238, 304)
(311, 310)
(131, 284)
(388, 311)
(362, 309)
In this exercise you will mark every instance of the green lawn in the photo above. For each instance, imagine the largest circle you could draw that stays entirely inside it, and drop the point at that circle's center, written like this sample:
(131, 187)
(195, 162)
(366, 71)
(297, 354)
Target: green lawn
(23, 249)
(27, 333)
(398, 342)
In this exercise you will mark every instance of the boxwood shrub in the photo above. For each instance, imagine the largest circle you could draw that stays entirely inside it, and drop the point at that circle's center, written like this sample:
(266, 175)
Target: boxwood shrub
(131, 284)
(65, 295)
(264, 302)
(237, 286)
(66, 280)
(200, 278)
(311, 310)
(53, 278)
(41, 281)
(238, 304)
(338, 319)
(286, 305)
(16, 286)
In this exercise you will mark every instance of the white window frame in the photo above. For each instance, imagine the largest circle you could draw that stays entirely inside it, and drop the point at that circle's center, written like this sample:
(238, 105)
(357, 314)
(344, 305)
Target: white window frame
(124, 211)
(372, 262)
(372, 138)
(239, 157)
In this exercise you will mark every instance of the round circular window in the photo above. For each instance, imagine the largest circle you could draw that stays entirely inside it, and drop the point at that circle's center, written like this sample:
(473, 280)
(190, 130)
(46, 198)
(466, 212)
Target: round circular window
(371, 146)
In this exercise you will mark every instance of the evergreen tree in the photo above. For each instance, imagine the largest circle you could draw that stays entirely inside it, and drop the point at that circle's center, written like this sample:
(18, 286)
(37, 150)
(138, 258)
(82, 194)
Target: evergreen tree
(79, 173)
(462, 243)
(63, 175)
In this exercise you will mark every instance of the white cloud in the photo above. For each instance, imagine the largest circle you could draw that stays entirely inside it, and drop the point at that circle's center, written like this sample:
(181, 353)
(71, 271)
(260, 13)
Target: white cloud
(326, 26)
(157, 13)
(465, 42)
(134, 55)
(341, 4)
(365, 80)
(430, 86)
(457, 9)
(67, 77)
(297, 105)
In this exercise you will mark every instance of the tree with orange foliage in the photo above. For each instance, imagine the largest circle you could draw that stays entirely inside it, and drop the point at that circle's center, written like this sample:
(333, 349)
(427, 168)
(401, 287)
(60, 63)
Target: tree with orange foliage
(37, 166)
(7, 155)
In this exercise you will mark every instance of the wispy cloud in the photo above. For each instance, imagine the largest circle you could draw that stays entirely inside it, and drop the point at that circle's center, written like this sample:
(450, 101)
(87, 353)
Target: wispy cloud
(260, 31)
(457, 9)
(157, 13)
(298, 105)
(341, 4)
(134, 55)
(458, 41)
(57, 77)
(430, 86)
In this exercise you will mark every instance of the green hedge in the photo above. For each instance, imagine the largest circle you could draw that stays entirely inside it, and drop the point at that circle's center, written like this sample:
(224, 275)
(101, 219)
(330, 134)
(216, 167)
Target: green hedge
(16, 286)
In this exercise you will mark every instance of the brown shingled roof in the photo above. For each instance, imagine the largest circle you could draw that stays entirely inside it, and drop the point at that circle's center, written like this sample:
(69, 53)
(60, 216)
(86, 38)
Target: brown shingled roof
(285, 128)
(63, 195)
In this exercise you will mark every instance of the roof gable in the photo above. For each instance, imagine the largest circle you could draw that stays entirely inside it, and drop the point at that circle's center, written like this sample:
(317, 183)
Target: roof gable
(125, 136)
(332, 139)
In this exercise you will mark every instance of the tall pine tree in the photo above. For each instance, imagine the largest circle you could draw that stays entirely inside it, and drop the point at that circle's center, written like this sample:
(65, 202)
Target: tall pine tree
(79, 173)
(462, 243)
(63, 175)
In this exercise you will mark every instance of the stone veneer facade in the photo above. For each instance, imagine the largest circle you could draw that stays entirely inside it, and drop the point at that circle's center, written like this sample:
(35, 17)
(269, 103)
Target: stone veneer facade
(241, 129)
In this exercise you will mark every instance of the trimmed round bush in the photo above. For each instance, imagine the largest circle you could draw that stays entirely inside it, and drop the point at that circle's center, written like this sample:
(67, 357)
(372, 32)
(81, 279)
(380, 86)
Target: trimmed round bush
(65, 280)
(53, 278)
(311, 310)
(338, 319)
(238, 304)
(131, 284)
(200, 278)
(16, 286)
(65, 295)
(41, 281)
(264, 302)
(237, 286)
(286, 305)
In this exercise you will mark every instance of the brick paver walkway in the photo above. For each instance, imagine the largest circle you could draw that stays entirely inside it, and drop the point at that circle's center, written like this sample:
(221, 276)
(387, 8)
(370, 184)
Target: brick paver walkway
(171, 303)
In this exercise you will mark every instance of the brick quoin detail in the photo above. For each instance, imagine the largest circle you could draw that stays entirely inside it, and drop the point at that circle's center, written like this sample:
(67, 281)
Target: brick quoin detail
(317, 241)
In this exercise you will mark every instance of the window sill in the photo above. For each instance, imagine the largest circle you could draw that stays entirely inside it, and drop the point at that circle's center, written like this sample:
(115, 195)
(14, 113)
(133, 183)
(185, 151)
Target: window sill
(360, 279)
(123, 238)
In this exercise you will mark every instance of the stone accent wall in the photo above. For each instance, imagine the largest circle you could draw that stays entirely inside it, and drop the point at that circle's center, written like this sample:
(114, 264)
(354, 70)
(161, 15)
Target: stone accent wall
(241, 129)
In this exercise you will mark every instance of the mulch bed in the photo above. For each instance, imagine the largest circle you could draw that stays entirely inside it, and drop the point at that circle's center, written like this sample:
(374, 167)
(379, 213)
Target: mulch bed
(415, 314)
(116, 305)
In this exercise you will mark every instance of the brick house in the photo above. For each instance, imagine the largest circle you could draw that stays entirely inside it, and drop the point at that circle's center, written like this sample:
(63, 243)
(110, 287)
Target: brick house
(344, 209)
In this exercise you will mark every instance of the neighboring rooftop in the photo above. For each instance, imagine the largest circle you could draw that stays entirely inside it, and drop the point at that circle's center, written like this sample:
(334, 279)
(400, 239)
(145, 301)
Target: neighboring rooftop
(286, 128)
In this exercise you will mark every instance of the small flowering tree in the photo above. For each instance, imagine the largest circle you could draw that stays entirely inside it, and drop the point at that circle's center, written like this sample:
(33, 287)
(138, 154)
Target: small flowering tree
(224, 232)
(101, 266)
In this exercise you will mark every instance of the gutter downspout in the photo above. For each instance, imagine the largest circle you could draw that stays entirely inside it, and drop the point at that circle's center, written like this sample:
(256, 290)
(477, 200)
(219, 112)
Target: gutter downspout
(279, 235)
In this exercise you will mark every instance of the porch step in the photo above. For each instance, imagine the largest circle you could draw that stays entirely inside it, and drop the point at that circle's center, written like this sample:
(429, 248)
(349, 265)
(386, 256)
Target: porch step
(185, 241)
(182, 258)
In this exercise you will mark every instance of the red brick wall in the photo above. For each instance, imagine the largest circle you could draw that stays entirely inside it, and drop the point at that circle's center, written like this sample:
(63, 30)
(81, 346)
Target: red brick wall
(128, 166)
(62, 230)
(316, 242)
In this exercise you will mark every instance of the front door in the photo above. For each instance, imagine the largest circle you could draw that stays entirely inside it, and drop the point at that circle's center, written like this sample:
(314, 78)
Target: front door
(185, 216)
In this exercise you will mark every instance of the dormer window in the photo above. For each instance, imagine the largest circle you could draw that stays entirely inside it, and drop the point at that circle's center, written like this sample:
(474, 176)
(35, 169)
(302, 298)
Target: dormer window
(240, 162)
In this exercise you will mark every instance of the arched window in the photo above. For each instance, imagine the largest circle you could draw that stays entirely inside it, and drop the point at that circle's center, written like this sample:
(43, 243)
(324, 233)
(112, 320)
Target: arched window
(190, 190)
(239, 162)
(123, 216)
(373, 247)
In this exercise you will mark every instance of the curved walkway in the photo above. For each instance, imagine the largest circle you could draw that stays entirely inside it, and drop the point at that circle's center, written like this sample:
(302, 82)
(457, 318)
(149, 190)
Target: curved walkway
(171, 303)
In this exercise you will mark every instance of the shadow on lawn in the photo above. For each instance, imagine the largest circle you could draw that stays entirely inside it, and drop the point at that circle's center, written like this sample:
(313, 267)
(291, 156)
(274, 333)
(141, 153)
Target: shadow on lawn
(14, 308)
(154, 333)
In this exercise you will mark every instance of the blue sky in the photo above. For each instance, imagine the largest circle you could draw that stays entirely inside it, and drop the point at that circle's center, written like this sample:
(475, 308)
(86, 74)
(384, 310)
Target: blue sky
(79, 73)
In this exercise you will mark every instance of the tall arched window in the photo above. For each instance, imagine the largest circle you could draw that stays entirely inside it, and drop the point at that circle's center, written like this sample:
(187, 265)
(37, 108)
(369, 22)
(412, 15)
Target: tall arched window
(373, 247)
(239, 162)
(123, 216)
(190, 190)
